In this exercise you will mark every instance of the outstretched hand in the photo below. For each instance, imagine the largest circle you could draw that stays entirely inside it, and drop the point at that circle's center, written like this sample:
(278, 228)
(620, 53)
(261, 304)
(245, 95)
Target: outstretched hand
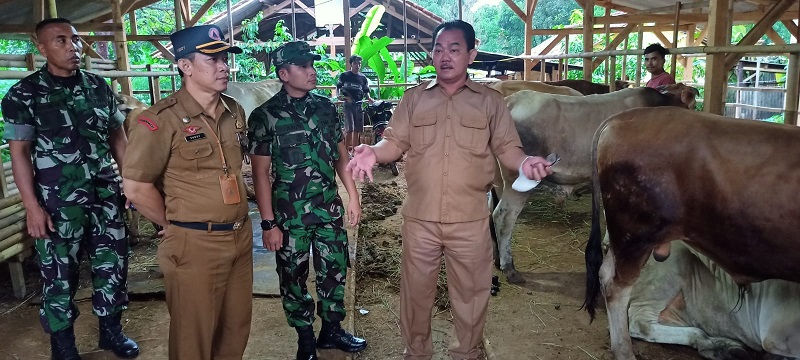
(362, 162)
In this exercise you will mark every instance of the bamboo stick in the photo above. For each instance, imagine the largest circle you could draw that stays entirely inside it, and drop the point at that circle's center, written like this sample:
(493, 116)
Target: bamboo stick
(11, 240)
(16, 249)
(11, 210)
(6, 202)
(12, 219)
(12, 229)
(733, 49)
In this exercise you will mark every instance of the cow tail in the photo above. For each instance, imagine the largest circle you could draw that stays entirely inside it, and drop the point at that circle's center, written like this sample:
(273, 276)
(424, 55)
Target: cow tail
(594, 246)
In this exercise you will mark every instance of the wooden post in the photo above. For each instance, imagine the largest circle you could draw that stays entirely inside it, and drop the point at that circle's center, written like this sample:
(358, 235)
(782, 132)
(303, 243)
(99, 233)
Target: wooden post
(588, 24)
(688, 61)
(528, 20)
(607, 27)
(612, 74)
(566, 61)
(639, 42)
(38, 10)
(624, 75)
(348, 42)
(121, 46)
(716, 73)
(178, 10)
(674, 60)
(792, 90)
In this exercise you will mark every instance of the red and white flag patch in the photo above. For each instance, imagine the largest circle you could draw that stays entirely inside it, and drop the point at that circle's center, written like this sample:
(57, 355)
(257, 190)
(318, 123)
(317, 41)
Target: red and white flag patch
(191, 129)
(147, 122)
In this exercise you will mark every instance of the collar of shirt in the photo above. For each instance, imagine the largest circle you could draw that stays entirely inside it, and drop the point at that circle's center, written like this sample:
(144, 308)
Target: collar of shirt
(193, 108)
(48, 80)
(473, 86)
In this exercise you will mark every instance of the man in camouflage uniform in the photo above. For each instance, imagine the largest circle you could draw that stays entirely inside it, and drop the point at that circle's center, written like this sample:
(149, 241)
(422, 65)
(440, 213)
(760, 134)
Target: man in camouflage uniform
(296, 137)
(68, 120)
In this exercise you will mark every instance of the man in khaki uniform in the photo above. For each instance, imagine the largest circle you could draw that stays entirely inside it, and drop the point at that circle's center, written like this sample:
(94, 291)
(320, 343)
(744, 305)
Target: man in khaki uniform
(451, 129)
(183, 172)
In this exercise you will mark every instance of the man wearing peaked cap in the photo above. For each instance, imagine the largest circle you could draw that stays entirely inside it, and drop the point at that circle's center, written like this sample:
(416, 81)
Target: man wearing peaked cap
(298, 134)
(182, 173)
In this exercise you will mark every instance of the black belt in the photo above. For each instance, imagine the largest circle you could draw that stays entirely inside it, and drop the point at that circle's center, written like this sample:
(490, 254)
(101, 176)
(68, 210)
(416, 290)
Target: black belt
(207, 226)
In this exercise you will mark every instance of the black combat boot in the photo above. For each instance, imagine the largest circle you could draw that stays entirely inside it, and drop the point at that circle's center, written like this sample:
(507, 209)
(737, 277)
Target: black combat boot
(306, 345)
(332, 336)
(62, 345)
(111, 338)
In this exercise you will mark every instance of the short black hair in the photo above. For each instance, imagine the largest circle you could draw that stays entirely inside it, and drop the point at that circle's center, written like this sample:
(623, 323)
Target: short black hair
(656, 48)
(189, 57)
(355, 58)
(46, 22)
(465, 27)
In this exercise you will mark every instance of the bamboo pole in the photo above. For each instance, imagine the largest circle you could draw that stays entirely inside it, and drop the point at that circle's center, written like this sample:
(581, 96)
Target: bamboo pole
(15, 249)
(639, 54)
(16, 238)
(13, 74)
(8, 220)
(12, 200)
(696, 50)
(53, 10)
(12, 229)
(13, 209)
(674, 60)
(792, 90)
(607, 60)
(588, 24)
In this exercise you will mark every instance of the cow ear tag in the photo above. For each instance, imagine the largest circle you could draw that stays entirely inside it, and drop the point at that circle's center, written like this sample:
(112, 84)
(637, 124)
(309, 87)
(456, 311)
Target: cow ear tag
(523, 183)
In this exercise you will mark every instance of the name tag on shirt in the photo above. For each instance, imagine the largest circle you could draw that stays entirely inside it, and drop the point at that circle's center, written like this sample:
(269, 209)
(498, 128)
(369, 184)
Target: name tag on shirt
(195, 137)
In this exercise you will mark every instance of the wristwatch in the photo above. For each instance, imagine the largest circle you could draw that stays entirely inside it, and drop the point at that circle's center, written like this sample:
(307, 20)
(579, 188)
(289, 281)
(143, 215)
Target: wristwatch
(268, 224)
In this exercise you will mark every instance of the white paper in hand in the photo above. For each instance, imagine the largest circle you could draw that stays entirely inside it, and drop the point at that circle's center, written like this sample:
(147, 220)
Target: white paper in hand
(523, 183)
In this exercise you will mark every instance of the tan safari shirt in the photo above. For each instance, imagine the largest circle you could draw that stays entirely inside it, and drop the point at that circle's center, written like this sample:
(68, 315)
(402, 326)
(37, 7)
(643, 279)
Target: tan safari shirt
(171, 146)
(451, 142)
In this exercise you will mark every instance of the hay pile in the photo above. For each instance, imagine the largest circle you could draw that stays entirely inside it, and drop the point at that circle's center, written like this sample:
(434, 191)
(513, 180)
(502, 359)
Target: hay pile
(380, 247)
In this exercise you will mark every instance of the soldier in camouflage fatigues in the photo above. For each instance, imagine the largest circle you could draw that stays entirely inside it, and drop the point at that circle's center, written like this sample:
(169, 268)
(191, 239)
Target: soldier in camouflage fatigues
(297, 134)
(71, 125)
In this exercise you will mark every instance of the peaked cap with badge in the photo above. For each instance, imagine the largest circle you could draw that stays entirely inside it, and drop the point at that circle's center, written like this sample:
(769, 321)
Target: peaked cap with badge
(205, 39)
(295, 52)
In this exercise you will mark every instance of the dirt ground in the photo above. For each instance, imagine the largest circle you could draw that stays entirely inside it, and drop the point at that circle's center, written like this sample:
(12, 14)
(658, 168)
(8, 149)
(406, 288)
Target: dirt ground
(538, 320)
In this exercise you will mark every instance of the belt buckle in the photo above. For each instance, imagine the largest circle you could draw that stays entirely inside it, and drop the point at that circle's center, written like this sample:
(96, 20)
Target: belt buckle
(238, 225)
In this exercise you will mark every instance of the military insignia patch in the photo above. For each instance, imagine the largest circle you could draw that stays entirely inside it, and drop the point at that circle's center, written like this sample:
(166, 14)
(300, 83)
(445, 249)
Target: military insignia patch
(148, 123)
(191, 129)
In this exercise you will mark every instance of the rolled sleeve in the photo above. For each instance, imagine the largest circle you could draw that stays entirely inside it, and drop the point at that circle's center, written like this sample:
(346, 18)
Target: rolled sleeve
(398, 130)
(148, 151)
(259, 134)
(18, 120)
(504, 134)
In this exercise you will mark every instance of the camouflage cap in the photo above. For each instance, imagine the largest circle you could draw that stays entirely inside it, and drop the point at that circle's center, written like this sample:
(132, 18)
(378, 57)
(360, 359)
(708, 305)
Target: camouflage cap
(295, 52)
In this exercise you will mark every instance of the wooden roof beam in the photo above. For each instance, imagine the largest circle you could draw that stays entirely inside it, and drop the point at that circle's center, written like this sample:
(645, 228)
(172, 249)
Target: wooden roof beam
(164, 51)
(393, 12)
(792, 27)
(548, 48)
(608, 4)
(516, 9)
(598, 30)
(664, 41)
(200, 12)
(671, 8)
(613, 44)
(766, 22)
(751, 16)
(775, 37)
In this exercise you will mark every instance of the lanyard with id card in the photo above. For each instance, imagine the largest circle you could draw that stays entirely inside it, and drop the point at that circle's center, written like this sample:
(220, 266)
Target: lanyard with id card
(227, 182)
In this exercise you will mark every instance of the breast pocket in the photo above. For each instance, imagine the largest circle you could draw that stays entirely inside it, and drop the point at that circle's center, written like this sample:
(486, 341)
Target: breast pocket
(197, 157)
(472, 132)
(294, 149)
(423, 131)
(56, 130)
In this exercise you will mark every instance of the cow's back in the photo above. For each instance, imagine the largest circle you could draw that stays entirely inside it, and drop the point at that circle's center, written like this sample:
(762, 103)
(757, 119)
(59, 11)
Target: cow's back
(252, 95)
(727, 186)
(510, 87)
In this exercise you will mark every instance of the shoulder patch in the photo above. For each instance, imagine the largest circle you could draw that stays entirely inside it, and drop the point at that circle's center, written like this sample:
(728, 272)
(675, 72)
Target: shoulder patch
(163, 104)
(148, 123)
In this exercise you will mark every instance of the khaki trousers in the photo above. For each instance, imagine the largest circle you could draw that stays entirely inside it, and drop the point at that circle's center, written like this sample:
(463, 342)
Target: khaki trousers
(208, 277)
(468, 258)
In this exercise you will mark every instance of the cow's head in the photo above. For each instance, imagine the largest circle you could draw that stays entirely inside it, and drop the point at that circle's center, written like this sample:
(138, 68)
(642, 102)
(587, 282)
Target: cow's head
(130, 106)
(683, 95)
(622, 84)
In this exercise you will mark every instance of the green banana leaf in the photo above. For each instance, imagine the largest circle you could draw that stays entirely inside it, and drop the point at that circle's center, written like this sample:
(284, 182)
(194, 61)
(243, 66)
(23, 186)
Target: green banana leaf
(370, 47)
(371, 22)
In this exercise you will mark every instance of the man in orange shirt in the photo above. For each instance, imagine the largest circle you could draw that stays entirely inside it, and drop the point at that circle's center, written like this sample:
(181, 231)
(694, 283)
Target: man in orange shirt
(451, 129)
(654, 59)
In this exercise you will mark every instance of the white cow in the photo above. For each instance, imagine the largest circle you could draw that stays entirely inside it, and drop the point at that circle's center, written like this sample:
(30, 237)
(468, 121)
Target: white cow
(564, 125)
(252, 95)
(689, 300)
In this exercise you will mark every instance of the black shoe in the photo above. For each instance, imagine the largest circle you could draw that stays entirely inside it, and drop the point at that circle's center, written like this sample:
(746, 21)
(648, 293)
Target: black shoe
(62, 345)
(333, 336)
(306, 344)
(111, 338)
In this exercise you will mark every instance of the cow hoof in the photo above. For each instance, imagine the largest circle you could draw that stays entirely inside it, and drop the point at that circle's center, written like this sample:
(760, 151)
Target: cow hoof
(514, 277)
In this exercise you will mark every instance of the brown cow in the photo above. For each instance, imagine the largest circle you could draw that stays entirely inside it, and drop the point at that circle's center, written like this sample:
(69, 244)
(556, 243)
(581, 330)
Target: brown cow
(588, 87)
(565, 125)
(510, 87)
(727, 187)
